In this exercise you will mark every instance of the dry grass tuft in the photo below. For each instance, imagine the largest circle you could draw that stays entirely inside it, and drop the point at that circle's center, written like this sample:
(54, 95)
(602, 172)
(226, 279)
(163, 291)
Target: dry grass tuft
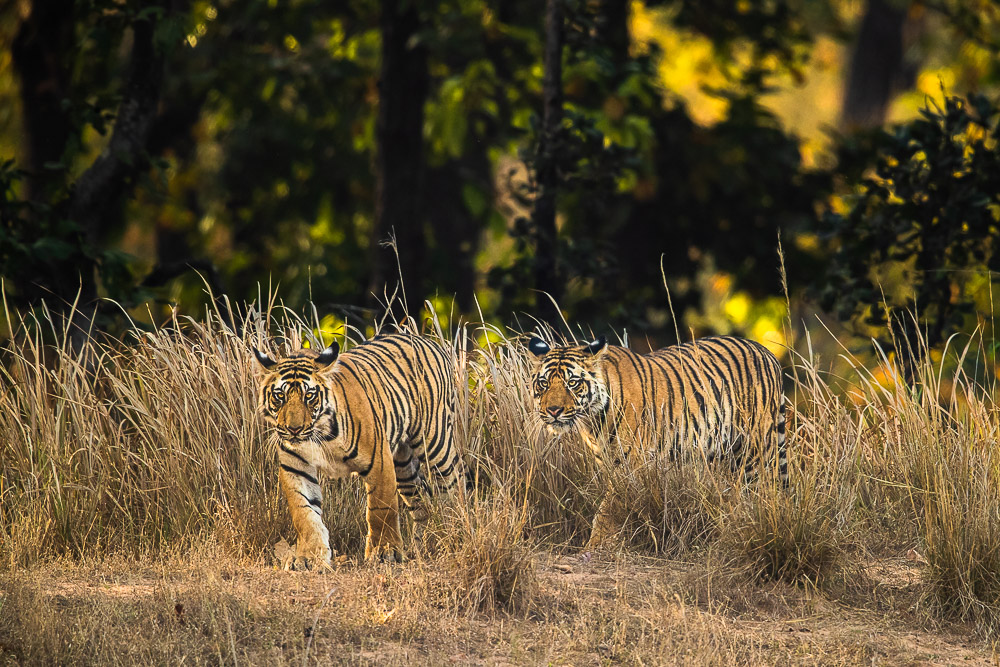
(796, 535)
(957, 471)
(665, 507)
(481, 552)
(934, 446)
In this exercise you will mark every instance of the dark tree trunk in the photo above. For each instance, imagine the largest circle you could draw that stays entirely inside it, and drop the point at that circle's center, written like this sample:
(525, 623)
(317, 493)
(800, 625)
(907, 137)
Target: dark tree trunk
(98, 194)
(876, 65)
(613, 32)
(547, 176)
(399, 153)
(456, 230)
(99, 190)
(39, 55)
(41, 50)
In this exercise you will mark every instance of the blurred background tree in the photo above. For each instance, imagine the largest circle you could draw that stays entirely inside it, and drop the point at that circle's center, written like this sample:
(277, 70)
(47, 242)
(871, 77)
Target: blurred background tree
(151, 148)
(920, 238)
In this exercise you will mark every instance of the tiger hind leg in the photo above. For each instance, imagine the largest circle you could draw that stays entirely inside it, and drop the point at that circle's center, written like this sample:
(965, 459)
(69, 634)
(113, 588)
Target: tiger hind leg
(384, 541)
(769, 457)
(413, 490)
(779, 429)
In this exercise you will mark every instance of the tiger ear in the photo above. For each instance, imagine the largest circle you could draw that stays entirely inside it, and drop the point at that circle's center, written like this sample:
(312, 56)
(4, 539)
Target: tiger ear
(538, 346)
(327, 356)
(267, 362)
(598, 346)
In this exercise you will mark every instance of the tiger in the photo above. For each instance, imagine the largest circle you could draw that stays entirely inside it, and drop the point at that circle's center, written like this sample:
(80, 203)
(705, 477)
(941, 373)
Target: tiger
(721, 395)
(380, 410)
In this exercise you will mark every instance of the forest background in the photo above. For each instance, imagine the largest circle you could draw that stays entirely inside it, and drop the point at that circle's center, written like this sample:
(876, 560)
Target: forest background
(591, 150)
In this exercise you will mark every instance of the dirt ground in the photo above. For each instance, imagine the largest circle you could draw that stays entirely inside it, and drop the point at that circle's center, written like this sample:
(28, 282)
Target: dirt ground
(584, 609)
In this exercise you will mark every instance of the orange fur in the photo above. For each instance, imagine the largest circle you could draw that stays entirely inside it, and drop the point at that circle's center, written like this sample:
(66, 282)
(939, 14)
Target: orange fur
(721, 396)
(382, 410)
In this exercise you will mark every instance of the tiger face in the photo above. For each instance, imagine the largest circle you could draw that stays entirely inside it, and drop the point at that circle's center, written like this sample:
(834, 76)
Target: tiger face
(294, 393)
(567, 382)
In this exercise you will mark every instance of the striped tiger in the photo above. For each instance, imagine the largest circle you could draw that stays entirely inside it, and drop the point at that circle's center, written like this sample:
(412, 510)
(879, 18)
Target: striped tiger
(379, 410)
(721, 395)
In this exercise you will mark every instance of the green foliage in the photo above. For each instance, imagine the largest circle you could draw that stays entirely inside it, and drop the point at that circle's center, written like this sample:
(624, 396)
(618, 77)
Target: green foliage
(927, 207)
(43, 252)
(639, 181)
(263, 148)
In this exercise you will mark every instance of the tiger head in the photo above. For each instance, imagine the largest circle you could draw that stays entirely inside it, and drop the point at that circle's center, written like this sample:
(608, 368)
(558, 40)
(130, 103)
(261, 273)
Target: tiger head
(567, 382)
(294, 392)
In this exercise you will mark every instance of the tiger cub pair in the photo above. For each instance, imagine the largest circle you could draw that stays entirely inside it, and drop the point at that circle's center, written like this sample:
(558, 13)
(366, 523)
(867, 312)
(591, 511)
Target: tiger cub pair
(387, 406)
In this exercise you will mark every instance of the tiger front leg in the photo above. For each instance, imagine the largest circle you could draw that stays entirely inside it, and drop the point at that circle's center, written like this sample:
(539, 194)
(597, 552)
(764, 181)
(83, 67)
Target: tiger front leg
(300, 485)
(602, 529)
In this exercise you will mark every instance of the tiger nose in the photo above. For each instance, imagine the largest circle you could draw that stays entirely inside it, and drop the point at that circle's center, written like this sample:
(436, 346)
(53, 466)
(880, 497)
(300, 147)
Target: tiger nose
(555, 411)
(294, 430)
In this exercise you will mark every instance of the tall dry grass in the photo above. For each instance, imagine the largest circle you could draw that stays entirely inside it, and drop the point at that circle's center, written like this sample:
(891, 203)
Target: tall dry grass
(507, 444)
(152, 442)
(938, 442)
(133, 445)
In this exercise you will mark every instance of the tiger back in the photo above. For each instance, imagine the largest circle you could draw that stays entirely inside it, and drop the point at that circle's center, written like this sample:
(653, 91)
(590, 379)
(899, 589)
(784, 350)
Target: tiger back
(384, 410)
(720, 397)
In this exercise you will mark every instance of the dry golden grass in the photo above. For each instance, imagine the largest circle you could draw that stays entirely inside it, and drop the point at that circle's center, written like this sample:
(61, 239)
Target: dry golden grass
(139, 508)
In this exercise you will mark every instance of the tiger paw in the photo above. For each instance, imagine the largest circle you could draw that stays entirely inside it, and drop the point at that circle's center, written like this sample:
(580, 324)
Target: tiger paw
(301, 560)
(386, 554)
(307, 564)
(301, 564)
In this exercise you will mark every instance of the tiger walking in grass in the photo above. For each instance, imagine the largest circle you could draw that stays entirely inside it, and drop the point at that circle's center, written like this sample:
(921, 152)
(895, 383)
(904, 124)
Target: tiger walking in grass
(721, 396)
(381, 410)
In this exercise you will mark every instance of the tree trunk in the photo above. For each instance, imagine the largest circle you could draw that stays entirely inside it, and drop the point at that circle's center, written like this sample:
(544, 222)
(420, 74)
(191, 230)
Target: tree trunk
(39, 54)
(876, 65)
(456, 229)
(613, 33)
(98, 194)
(547, 177)
(399, 153)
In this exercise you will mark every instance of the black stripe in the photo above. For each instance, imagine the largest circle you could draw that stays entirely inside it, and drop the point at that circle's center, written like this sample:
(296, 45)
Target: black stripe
(446, 472)
(334, 430)
(296, 471)
(315, 502)
(291, 453)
